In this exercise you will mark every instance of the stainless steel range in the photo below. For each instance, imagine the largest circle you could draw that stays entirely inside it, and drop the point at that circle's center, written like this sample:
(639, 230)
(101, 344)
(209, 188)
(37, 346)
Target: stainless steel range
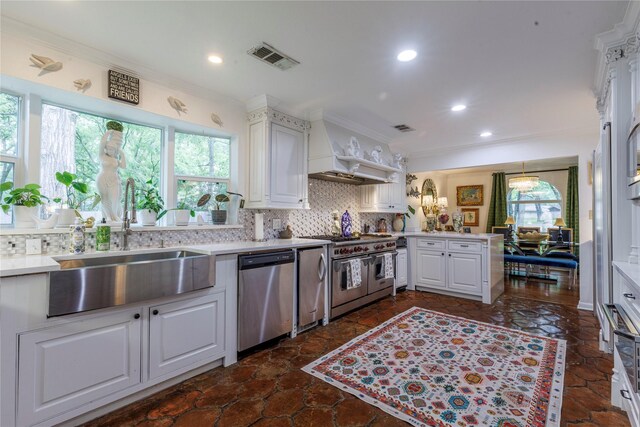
(369, 254)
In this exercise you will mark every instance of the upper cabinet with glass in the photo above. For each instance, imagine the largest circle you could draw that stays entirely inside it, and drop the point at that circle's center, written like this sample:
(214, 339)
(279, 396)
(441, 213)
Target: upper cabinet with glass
(277, 172)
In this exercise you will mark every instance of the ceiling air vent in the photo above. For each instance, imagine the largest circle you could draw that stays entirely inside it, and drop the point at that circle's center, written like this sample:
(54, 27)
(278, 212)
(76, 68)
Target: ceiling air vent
(272, 56)
(404, 128)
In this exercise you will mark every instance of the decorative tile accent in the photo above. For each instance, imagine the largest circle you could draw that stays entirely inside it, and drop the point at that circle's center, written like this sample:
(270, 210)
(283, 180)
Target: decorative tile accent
(324, 198)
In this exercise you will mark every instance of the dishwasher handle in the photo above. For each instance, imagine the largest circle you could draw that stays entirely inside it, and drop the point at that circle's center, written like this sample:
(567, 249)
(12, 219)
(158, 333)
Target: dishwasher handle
(260, 260)
(322, 267)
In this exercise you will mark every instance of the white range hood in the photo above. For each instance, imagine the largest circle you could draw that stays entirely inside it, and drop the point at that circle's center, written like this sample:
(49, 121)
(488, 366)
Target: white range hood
(342, 155)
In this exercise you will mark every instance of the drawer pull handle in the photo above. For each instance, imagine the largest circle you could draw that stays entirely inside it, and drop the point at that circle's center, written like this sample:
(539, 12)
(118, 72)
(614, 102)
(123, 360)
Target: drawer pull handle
(464, 246)
(430, 243)
(625, 394)
(630, 296)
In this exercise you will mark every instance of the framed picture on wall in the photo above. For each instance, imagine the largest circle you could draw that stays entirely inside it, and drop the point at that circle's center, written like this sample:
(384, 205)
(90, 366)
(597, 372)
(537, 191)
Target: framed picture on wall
(470, 216)
(470, 195)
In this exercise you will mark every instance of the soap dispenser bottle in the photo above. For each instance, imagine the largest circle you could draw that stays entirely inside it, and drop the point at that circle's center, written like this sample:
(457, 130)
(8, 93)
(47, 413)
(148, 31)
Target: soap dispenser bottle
(76, 237)
(103, 236)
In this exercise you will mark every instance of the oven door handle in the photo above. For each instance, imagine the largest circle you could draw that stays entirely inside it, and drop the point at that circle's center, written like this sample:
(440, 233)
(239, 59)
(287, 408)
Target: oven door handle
(609, 311)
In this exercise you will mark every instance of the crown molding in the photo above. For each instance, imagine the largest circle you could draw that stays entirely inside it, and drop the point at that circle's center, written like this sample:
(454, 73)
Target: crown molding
(620, 42)
(40, 37)
(506, 142)
(348, 124)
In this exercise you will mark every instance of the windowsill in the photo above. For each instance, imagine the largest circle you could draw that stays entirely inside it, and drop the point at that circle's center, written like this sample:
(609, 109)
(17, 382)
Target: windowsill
(10, 231)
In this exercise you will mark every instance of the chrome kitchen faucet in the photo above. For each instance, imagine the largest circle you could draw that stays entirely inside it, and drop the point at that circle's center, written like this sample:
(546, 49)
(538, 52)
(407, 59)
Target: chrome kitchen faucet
(126, 223)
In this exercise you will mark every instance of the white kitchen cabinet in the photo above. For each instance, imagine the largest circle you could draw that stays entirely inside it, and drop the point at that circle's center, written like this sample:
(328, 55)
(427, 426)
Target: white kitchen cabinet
(431, 268)
(470, 267)
(277, 174)
(401, 268)
(465, 272)
(185, 332)
(383, 198)
(64, 367)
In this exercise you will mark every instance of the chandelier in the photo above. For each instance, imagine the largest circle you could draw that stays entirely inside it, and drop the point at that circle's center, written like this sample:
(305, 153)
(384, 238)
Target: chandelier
(523, 183)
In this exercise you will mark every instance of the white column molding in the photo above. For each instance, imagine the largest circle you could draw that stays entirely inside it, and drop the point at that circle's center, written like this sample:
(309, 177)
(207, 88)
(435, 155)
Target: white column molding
(634, 252)
(32, 139)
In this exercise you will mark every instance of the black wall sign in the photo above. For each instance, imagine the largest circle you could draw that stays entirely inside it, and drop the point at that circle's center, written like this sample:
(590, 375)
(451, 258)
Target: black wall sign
(123, 87)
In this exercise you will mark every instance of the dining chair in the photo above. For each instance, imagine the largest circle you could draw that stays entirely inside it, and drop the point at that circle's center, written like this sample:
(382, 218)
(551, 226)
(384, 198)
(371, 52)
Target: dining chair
(567, 234)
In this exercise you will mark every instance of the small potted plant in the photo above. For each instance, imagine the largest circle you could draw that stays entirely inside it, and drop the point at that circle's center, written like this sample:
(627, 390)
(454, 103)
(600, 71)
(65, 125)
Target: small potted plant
(25, 201)
(76, 193)
(219, 215)
(150, 205)
(182, 213)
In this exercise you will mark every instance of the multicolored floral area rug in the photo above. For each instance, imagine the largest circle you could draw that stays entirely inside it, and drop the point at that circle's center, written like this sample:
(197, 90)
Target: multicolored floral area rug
(433, 369)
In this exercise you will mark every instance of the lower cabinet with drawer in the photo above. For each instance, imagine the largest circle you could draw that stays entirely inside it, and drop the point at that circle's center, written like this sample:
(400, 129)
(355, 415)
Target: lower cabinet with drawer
(460, 267)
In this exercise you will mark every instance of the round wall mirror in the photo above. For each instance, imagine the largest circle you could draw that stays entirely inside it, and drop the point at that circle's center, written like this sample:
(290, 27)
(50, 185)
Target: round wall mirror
(429, 192)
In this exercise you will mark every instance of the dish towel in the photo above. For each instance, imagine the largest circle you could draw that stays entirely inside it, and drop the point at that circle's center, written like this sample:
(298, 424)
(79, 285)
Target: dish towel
(354, 274)
(388, 266)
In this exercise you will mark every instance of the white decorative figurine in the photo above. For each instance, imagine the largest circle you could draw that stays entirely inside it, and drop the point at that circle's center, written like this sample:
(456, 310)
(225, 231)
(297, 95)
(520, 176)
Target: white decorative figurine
(376, 154)
(397, 161)
(353, 149)
(108, 181)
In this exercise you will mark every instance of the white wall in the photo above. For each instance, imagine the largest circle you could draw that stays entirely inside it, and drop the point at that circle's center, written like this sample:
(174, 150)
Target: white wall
(456, 180)
(577, 143)
(17, 74)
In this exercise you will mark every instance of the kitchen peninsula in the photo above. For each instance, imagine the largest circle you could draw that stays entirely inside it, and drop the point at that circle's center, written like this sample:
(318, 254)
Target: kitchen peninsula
(462, 265)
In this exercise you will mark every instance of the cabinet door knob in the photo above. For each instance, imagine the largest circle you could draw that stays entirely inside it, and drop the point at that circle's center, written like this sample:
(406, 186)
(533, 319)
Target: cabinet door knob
(442, 253)
(449, 254)
(155, 312)
(300, 201)
(630, 296)
(136, 316)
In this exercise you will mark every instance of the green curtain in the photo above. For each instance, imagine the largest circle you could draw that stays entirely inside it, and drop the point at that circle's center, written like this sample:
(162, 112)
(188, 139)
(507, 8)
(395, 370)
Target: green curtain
(498, 206)
(572, 212)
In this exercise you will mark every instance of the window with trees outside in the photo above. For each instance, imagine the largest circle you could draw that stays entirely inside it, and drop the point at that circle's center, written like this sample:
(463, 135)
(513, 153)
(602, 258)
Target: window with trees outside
(9, 123)
(202, 166)
(70, 141)
(538, 207)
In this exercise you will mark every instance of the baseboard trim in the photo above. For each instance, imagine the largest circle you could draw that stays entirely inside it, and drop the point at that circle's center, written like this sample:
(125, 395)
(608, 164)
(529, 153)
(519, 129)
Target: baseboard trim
(585, 306)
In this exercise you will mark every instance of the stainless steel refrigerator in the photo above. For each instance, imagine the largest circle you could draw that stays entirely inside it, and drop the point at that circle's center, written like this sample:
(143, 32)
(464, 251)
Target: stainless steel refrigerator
(602, 232)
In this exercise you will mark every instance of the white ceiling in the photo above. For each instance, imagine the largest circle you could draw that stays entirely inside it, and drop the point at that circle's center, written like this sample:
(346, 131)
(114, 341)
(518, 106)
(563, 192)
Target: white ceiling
(523, 68)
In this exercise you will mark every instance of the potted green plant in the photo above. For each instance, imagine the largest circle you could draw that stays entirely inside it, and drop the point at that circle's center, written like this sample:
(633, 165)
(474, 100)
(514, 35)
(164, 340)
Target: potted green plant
(182, 213)
(25, 201)
(219, 215)
(150, 205)
(76, 192)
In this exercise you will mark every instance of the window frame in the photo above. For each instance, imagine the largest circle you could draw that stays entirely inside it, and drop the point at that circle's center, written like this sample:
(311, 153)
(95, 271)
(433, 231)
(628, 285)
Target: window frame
(535, 202)
(115, 117)
(16, 160)
(33, 95)
(197, 178)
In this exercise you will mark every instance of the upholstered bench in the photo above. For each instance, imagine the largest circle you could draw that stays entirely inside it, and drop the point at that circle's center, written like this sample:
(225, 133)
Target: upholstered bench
(569, 264)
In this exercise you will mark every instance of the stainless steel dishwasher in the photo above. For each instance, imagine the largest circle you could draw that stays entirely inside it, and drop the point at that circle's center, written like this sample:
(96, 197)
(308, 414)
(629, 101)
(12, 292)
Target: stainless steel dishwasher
(265, 297)
(312, 270)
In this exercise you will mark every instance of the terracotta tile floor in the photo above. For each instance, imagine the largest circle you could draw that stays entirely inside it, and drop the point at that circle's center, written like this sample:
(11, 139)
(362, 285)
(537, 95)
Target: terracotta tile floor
(267, 388)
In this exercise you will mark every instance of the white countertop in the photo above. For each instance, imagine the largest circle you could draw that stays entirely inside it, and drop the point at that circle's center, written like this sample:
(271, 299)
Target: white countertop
(32, 264)
(630, 271)
(446, 235)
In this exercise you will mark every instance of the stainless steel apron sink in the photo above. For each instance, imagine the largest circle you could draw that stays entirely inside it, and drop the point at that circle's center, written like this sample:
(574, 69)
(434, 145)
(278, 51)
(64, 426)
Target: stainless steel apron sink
(85, 284)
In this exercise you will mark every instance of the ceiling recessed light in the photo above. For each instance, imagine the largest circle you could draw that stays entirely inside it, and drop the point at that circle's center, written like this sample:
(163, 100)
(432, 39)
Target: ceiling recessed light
(458, 107)
(215, 59)
(486, 134)
(407, 55)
